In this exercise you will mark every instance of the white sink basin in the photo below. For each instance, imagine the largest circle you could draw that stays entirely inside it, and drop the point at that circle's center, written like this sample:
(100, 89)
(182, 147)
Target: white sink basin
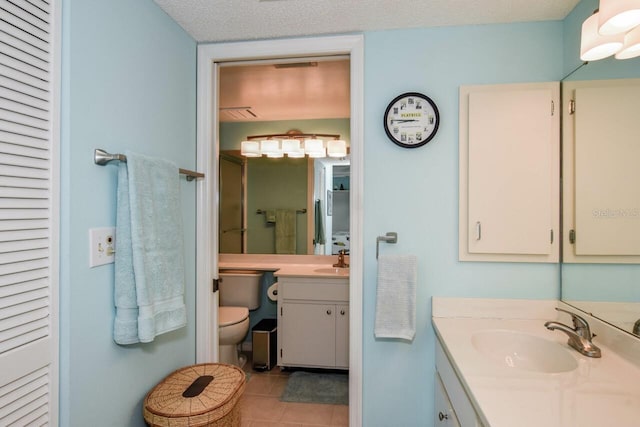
(333, 271)
(521, 351)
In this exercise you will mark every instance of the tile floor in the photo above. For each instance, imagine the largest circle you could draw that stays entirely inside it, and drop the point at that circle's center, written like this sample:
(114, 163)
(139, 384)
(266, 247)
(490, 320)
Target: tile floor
(260, 405)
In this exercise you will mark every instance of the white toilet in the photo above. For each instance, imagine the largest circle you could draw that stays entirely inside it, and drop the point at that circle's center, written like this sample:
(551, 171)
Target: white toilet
(239, 293)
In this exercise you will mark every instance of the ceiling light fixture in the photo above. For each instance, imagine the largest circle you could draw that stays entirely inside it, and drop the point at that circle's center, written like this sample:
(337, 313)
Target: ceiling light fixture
(294, 144)
(613, 29)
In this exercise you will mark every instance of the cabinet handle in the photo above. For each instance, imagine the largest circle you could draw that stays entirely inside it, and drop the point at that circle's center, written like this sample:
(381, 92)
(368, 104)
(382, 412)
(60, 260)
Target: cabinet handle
(342, 312)
(442, 416)
(329, 312)
(478, 230)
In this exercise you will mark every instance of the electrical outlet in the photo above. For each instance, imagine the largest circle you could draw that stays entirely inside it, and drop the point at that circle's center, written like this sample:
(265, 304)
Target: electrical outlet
(102, 246)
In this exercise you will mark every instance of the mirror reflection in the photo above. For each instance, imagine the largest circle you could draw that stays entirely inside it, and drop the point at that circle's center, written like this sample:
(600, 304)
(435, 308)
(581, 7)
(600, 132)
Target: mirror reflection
(283, 206)
(290, 204)
(601, 195)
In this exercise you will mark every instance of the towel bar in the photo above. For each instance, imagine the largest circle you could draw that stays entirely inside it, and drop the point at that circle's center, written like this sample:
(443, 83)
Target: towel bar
(264, 211)
(390, 237)
(101, 157)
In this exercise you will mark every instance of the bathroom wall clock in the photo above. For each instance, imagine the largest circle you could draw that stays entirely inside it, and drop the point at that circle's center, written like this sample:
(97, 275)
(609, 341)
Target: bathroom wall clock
(411, 120)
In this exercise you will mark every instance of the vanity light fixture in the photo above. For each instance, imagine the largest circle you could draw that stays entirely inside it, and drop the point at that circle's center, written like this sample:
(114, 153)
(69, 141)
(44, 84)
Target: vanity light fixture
(271, 148)
(595, 46)
(314, 148)
(250, 149)
(618, 16)
(631, 47)
(294, 144)
(613, 29)
(337, 148)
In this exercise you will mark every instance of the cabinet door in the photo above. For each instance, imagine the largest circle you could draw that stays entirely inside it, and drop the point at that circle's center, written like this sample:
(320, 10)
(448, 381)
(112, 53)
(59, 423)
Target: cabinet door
(444, 415)
(509, 172)
(308, 334)
(342, 336)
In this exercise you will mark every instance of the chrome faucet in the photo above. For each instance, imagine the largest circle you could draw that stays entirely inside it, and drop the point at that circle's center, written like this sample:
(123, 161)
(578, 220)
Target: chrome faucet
(341, 263)
(579, 336)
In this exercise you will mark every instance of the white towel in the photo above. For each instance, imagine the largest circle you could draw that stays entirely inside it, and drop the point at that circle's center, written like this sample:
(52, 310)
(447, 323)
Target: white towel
(149, 264)
(396, 297)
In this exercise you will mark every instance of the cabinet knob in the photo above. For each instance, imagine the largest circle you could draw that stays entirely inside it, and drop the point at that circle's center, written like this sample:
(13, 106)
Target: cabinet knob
(442, 416)
(342, 312)
(329, 312)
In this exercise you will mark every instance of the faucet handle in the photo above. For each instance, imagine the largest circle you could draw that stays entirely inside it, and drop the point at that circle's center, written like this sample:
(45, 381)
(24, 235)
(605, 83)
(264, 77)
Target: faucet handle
(580, 324)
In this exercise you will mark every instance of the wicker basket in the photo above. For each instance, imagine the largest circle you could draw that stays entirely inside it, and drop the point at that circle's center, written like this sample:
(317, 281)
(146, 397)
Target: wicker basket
(195, 396)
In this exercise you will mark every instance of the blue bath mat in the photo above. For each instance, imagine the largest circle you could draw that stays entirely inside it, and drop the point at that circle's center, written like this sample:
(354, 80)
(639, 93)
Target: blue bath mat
(312, 387)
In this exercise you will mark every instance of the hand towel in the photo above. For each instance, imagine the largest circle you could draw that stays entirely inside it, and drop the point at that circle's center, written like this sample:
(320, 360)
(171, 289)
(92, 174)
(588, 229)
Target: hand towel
(318, 237)
(396, 297)
(285, 231)
(149, 264)
(270, 216)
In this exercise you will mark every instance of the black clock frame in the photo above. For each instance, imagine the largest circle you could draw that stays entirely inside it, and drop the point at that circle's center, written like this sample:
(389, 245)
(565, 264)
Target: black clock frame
(415, 95)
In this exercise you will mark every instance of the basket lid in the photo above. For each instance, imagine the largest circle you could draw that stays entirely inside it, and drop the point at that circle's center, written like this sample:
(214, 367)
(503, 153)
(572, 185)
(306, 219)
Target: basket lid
(196, 389)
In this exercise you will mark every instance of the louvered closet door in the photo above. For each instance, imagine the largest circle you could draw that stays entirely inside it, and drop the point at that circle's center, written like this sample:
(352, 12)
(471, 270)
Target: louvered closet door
(28, 212)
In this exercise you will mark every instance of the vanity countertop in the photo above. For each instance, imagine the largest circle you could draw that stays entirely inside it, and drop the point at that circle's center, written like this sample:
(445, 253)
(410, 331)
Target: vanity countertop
(599, 392)
(286, 265)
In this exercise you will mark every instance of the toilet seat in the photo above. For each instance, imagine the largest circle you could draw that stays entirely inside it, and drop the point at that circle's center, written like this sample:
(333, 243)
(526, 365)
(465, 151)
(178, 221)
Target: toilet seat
(228, 316)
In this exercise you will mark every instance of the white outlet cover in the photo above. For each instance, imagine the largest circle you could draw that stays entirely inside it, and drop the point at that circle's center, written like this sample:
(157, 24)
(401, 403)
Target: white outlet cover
(102, 246)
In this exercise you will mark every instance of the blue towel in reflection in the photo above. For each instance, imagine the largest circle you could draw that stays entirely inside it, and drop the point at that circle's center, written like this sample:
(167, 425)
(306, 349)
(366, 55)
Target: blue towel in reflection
(149, 261)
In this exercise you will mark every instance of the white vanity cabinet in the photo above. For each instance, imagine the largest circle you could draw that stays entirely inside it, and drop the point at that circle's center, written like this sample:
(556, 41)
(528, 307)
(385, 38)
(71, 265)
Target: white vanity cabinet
(452, 405)
(509, 172)
(313, 322)
(445, 416)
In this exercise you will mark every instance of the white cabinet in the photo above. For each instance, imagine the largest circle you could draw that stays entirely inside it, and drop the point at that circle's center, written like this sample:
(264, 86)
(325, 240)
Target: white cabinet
(452, 401)
(313, 322)
(509, 172)
(445, 416)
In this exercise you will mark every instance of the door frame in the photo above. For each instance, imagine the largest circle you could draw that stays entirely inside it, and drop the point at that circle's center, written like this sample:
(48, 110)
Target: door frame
(209, 55)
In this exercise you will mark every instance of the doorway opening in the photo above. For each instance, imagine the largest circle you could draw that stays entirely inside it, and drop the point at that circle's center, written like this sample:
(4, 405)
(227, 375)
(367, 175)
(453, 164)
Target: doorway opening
(210, 59)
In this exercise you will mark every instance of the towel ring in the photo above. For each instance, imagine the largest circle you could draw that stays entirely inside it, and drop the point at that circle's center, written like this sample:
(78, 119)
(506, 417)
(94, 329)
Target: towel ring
(390, 237)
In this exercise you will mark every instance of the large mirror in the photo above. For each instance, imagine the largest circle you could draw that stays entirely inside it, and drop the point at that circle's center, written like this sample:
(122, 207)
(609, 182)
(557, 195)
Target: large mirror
(284, 205)
(601, 185)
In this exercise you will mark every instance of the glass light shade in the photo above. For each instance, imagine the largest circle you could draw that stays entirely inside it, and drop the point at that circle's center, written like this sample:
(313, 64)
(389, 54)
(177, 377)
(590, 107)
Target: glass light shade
(290, 146)
(594, 46)
(618, 16)
(314, 148)
(296, 154)
(250, 148)
(336, 148)
(271, 148)
(631, 47)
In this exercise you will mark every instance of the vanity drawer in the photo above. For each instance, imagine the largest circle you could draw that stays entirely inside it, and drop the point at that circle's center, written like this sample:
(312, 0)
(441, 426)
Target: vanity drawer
(314, 290)
(462, 406)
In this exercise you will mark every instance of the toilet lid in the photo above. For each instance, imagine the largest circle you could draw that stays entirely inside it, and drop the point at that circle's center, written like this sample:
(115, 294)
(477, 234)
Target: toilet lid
(231, 315)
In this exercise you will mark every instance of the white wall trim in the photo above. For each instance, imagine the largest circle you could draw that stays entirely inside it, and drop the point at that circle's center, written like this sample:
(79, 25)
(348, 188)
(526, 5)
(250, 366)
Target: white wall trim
(207, 119)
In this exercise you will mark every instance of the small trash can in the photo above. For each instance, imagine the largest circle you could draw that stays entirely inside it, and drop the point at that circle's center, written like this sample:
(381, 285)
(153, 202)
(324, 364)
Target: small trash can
(264, 344)
(196, 396)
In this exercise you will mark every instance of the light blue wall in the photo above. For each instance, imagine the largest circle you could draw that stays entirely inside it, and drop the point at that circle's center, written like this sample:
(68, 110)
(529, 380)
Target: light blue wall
(415, 193)
(129, 82)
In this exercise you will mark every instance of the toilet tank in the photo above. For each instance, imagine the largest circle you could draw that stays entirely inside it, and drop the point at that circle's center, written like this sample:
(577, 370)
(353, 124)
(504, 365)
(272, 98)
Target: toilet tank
(240, 288)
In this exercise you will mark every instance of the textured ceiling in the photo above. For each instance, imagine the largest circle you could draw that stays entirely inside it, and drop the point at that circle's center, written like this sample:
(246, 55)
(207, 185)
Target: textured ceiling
(226, 20)
(262, 92)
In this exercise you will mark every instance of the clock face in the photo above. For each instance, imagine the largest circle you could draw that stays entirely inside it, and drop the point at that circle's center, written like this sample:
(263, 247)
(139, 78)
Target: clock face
(411, 120)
